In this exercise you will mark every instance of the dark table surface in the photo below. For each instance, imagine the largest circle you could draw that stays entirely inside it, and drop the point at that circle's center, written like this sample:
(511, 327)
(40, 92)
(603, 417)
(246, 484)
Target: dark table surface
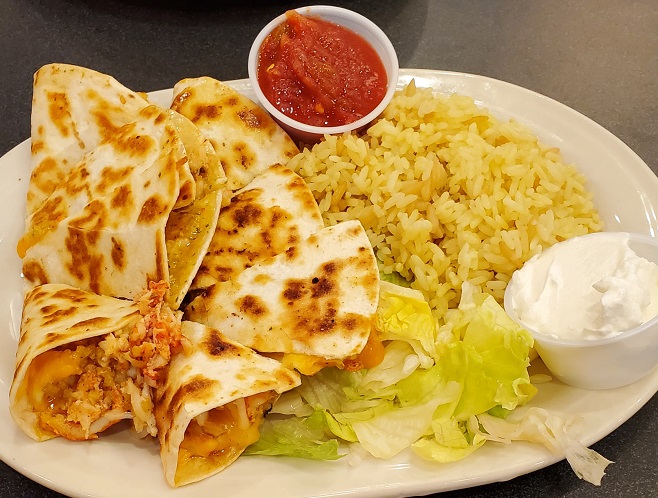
(599, 57)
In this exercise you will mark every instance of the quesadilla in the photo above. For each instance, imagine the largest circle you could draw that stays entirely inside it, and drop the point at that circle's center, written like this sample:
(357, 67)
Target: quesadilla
(118, 221)
(317, 299)
(85, 362)
(246, 138)
(103, 228)
(73, 110)
(273, 212)
(212, 403)
(190, 228)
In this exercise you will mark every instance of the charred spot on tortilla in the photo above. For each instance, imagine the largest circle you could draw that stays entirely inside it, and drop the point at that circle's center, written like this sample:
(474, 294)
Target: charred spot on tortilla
(123, 198)
(291, 252)
(86, 262)
(93, 217)
(293, 291)
(34, 273)
(106, 128)
(253, 118)
(197, 388)
(247, 214)
(252, 305)
(59, 111)
(202, 111)
(118, 253)
(215, 345)
(113, 176)
(57, 315)
(152, 208)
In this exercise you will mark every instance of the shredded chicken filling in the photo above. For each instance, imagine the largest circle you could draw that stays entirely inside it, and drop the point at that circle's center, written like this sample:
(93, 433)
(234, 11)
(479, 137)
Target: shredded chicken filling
(85, 387)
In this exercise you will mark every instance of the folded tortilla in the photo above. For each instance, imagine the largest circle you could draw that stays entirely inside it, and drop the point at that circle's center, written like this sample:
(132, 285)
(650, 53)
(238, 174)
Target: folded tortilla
(103, 228)
(190, 229)
(105, 212)
(317, 298)
(117, 221)
(85, 362)
(273, 212)
(73, 110)
(245, 137)
(212, 403)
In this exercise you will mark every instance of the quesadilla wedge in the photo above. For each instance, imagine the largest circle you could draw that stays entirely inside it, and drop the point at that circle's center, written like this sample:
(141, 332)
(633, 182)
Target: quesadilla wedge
(190, 228)
(74, 110)
(85, 362)
(273, 212)
(103, 228)
(118, 220)
(317, 299)
(212, 402)
(246, 138)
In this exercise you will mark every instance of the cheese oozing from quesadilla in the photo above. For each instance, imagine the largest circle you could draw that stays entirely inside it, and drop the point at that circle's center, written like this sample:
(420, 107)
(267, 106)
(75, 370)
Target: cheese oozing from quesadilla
(85, 362)
(212, 403)
(246, 138)
(318, 299)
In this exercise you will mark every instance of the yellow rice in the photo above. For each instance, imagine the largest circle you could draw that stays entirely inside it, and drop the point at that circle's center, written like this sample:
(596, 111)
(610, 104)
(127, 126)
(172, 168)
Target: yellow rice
(448, 193)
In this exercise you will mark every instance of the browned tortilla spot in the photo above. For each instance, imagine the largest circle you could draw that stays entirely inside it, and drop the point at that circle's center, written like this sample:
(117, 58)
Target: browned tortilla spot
(252, 305)
(70, 294)
(205, 111)
(253, 118)
(152, 208)
(86, 262)
(248, 214)
(122, 198)
(196, 389)
(34, 273)
(216, 346)
(106, 128)
(112, 176)
(135, 145)
(59, 112)
(118, 254)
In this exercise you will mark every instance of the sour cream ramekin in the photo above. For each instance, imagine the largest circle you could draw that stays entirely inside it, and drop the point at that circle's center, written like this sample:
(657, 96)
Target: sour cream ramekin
(350, 20)
(600, 363)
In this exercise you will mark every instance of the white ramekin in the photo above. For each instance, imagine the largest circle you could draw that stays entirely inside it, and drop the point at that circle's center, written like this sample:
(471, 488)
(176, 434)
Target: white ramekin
(601, 363)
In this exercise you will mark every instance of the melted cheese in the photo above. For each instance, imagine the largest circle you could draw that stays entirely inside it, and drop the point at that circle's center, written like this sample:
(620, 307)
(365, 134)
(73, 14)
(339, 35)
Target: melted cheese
(370, 356)
(49, 368)
(215, 438)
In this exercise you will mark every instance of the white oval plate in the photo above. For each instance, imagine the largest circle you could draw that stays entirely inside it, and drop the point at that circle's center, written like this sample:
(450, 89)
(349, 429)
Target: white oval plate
(119, 465)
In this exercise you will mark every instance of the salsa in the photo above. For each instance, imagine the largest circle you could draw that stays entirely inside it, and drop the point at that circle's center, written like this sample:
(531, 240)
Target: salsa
(320, 73)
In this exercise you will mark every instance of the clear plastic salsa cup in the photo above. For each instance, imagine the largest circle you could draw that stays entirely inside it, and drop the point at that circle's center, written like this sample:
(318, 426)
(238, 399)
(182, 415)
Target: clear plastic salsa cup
(348, 19)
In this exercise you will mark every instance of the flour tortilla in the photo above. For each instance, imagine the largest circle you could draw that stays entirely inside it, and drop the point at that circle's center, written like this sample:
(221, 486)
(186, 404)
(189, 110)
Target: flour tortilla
(74, 110)
(118, 219)
(245, 137)
(212, 372)
(273, 212)
(317, 298)
(57, 315)
(103, 228)
(190, 228)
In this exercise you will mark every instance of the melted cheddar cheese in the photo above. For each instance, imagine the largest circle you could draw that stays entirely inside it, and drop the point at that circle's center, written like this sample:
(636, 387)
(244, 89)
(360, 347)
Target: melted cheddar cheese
(217, 437)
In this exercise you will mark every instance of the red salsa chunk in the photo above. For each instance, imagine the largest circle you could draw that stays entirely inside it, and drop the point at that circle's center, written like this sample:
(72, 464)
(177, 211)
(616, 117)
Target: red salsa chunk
(319, 73)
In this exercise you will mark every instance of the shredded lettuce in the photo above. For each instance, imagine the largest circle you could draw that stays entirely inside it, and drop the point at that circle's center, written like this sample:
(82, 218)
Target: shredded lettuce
(296, 437)
(438, 390)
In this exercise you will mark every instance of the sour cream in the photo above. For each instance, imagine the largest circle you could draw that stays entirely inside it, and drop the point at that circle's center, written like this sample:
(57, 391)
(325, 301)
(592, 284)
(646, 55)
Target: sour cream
(588, 287)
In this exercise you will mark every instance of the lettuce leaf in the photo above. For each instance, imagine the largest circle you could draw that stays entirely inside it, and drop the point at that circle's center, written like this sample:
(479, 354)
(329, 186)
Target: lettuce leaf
(430, 382)
(296, 437)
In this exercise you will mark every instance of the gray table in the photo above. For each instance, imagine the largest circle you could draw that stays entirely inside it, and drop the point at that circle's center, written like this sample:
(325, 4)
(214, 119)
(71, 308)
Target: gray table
(599, 57)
